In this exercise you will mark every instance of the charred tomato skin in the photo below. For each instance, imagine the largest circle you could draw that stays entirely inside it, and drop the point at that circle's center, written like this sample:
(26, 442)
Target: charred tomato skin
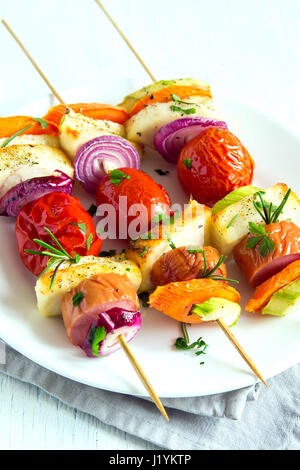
(60, 213)
(138, 188)
(213, 164)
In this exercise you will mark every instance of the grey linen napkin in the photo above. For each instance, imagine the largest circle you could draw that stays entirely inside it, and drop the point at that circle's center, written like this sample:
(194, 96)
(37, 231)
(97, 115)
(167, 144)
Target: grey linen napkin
(271, 421)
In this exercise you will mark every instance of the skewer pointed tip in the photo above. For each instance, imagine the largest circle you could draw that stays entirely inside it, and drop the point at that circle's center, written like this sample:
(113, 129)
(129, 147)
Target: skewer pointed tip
(241, 351)
(142, 376)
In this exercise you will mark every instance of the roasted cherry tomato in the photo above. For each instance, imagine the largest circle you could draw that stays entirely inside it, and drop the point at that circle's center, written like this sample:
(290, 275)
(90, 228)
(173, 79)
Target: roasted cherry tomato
(65, 217)
(213, 164)
(134, 188)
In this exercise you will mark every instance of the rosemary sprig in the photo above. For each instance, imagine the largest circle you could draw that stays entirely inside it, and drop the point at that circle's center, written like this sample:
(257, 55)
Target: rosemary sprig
(55, 256)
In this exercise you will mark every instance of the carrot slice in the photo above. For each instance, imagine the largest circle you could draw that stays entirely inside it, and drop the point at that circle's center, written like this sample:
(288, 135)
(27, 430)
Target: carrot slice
(264, 292)
(164, 96)
(177, 298)
(99, 111)
(12, 124)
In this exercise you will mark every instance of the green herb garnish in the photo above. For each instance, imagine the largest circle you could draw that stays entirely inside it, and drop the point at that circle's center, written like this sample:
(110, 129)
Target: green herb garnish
(144, 298)
(59, 255)
(77, 298)
(42, 122)
(7, 141)
(96, 336)
(145, 250)
(261, 237)
(232, 221)
(171, 244)
(116, 176)
(89, 241)
(162, 172)
(103, 254)
(92, 210)
(187, 163)
(81, 226)
(268, 211)
(183, 343)
(177, 109)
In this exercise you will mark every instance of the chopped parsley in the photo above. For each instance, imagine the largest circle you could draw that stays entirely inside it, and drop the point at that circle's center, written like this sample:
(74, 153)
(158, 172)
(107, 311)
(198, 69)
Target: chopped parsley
(187, 163)
(103, 254)
(77, 298)
(92, 210)
(162, 172)
(144, 298)
(266, 245)
(116, 176)
(177, 109)
(96, 336)
(82, 226)
(183, 343)
(145, 250)
(89, 241)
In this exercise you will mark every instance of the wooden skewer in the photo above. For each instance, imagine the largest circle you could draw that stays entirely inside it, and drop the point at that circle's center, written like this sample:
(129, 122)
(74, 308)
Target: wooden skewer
(224, 327)
(142, 376)
(242, 352)
(56, 94)
(126, 40)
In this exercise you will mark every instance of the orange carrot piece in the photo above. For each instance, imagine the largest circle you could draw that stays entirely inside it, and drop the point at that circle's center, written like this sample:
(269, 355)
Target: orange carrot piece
(12, 124)
(93, 110)
(177, 298)
(164, 96)
(264, 292)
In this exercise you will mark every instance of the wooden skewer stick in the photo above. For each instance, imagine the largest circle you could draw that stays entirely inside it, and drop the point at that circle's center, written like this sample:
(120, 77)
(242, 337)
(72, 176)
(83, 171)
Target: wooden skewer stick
(126, 40)
(239, 348)
(55, 93)
(224, 327)
(142, 376)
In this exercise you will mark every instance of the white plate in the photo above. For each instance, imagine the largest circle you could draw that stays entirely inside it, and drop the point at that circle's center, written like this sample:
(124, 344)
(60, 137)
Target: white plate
(273, 343)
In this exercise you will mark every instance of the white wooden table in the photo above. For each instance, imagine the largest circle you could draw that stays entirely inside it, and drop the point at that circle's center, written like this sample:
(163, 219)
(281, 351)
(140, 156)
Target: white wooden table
(249, 49)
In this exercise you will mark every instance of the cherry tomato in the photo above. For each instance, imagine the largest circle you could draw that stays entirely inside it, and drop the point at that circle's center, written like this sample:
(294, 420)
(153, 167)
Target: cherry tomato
(61, 214)
(137, 188)
(213, 164)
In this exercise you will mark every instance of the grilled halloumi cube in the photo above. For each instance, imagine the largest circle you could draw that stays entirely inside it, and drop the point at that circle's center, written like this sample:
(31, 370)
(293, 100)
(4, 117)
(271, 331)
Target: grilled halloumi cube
(70, 276)
(76, 129)
(19, 163)
(142, 127)
(28, 139)
(231, 225)
(192, 229)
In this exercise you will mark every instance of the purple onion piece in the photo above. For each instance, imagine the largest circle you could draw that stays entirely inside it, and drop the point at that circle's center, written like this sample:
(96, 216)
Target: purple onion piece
(170, 139)
(30, 190)
(115, 322)
(97, 157)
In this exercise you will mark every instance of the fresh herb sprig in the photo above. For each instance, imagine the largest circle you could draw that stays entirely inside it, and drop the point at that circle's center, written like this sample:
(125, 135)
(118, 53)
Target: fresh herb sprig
(261, 237)
(116, 176)
(56, 255)
(270, 215)
(42, 122)
(267, 210)
(183, 343)
(210, 274)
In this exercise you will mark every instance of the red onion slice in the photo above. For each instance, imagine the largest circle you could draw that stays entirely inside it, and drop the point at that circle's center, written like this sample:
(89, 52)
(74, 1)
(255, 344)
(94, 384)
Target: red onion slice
(32, 189)
(116, 321)
(96, 158)
(170, 139)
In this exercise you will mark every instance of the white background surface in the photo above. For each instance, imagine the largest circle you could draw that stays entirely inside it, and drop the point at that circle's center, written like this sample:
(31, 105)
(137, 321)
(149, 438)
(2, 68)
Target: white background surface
(247, 48)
